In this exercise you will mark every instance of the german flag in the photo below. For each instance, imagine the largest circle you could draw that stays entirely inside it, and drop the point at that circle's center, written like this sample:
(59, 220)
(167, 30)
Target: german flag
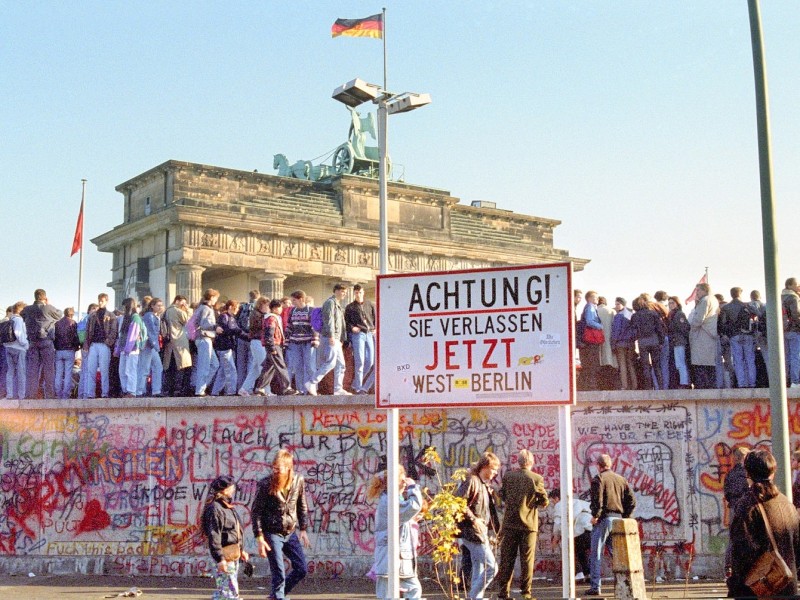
(366, 27)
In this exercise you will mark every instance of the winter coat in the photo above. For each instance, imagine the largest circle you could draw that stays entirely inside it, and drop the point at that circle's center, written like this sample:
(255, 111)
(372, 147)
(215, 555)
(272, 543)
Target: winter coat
(221, 526)
(280, 512)
(678, 328)
(409, 508)
(703, 336)
(607, 357)
(178, 347)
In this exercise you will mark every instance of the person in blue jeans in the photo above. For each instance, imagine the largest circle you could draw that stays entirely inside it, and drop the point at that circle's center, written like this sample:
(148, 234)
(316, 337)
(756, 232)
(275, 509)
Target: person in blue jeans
(279, 511)
(361, 319)
(790, 302)
(612, 499)
(480, 518)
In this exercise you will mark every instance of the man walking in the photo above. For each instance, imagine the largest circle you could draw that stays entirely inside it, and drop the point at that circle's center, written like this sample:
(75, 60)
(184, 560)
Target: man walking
(40, 361)
(612, 499)
(523, 492)
(360, 318)
(331, 349)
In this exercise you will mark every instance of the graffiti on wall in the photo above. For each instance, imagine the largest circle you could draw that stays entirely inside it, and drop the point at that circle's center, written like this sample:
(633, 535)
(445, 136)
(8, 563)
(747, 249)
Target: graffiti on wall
(130, 485)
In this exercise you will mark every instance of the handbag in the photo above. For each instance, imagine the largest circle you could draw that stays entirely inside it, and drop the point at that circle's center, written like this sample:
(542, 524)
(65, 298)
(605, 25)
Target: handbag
(594, 337)
(770, 574)
(233, 552)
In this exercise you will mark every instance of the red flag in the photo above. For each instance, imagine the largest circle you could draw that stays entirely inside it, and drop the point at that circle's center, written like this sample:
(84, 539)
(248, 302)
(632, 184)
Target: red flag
(77, 241)
(693, 297)
(366, 27)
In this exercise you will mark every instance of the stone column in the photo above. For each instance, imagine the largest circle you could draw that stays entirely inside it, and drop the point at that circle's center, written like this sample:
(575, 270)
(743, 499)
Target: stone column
(271, 285)
(119, 295)
(189, 282)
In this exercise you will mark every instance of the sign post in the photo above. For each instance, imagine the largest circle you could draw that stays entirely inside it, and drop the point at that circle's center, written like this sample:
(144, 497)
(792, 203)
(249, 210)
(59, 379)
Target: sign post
(486, 337)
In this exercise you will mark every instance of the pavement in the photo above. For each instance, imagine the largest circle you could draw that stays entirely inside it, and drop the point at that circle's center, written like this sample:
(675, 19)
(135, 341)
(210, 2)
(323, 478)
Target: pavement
(92, 587)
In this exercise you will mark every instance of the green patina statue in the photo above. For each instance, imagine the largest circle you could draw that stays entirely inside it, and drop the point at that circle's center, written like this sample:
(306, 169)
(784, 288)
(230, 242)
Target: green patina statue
(354, 156)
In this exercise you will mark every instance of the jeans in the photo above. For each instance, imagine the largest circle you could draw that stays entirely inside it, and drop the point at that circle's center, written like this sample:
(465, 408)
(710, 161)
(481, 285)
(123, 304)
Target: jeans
(301, 364)
(207, 364)
(64, 361)
(16, 379)
(99, 358)
(287, 546)
(793, 352)
(149, 364)
(664, 366)
(332, 357)
(409, 586)
(743, 354)
(226, 373)
(680, 364)
(129, 372)
(82, 380)
(363, 357)
(242, 361)
(601, 538)
(654, 354)
(484, 567)
(40, 366)
(257, 355)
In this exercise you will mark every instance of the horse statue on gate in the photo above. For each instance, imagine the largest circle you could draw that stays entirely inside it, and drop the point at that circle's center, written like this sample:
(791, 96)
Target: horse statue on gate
(299, 170)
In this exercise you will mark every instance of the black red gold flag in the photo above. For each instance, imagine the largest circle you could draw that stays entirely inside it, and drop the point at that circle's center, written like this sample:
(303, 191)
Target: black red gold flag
(366, 27)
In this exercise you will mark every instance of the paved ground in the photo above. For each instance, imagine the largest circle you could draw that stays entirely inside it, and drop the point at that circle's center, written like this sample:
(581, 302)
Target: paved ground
(164, 588)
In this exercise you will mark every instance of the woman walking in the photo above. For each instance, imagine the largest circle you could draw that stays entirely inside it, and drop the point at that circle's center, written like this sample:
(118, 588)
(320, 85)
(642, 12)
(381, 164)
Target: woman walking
(279, 510)
(223, 529)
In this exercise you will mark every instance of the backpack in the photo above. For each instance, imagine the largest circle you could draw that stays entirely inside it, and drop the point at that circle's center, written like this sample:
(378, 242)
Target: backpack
(243, 318)
(746, 321)
(191, 325)
(7, 334)
(316, 319)
(84, 323)
(164, 330)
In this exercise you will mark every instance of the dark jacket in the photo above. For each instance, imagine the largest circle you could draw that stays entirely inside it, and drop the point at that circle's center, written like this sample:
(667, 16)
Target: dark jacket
(678, 328)
(256, 325)
(66, 337)
(749, 540)
(231, 332)
(361, 316)
(622, 334)
(221, 527)
(611, 494)
(649, 327)
(480, 505)
(106, 320)
(333, 325)
(523, 493)
(276, 513)
(790, 304)
(734, 319)
(736, 485)
(40, 320)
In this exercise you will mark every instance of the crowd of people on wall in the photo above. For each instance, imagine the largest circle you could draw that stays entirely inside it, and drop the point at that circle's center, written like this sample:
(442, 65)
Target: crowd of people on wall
(656, 344)
(262, 346)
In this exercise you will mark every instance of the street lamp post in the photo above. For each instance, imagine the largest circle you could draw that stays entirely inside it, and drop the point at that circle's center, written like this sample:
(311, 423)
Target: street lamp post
(355, 93)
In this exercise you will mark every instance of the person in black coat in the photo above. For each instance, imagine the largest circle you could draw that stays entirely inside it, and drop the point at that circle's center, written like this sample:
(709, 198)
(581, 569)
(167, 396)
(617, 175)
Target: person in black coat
(650, 330)
(749, 537)
(223, 529)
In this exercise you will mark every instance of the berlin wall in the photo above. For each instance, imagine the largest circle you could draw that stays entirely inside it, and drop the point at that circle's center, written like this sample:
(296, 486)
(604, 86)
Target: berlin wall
(117, 486)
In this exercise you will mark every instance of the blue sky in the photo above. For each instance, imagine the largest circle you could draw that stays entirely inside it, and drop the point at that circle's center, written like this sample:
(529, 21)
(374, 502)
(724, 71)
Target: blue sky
(631, 122)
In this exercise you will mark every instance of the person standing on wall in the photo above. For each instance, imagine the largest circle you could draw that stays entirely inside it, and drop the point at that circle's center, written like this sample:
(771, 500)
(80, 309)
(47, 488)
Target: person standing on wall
(332, 338)
(361, 321)
(612, 499)
(523, 493)
(223, 530)
(279, 510)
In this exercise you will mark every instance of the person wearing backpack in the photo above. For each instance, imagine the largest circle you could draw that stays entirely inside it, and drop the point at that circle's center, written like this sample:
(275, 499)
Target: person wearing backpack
(736, 322)
(131, 338)
(16, 353)
(790, 302)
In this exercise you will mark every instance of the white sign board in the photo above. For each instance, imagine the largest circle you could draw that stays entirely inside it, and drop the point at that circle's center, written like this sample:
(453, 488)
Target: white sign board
(488, 337)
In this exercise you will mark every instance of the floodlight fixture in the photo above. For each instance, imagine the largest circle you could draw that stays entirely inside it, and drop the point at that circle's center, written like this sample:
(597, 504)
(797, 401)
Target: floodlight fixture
(406, 102)
(356, 92)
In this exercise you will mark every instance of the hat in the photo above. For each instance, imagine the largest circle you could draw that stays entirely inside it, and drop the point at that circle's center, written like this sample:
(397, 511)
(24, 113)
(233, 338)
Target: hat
(221, 483)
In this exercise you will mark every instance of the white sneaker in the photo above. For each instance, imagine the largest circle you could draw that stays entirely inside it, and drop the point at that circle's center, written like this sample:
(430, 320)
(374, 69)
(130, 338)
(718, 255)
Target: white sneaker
(310, 388)
(795, 385)
(342, 392)
(579, 577)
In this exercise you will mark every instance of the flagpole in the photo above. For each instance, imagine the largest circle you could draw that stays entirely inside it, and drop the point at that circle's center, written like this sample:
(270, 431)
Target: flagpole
(80, 260)
(385, 86)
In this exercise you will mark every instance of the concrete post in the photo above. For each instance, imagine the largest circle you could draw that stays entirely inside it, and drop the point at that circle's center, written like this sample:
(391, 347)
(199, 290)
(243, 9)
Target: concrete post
(627, 562)
(271, 285)
(189, 282)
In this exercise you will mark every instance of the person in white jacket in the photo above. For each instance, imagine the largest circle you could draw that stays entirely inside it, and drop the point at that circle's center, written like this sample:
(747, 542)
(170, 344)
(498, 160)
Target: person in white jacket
(582, 531)
(15, 355)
